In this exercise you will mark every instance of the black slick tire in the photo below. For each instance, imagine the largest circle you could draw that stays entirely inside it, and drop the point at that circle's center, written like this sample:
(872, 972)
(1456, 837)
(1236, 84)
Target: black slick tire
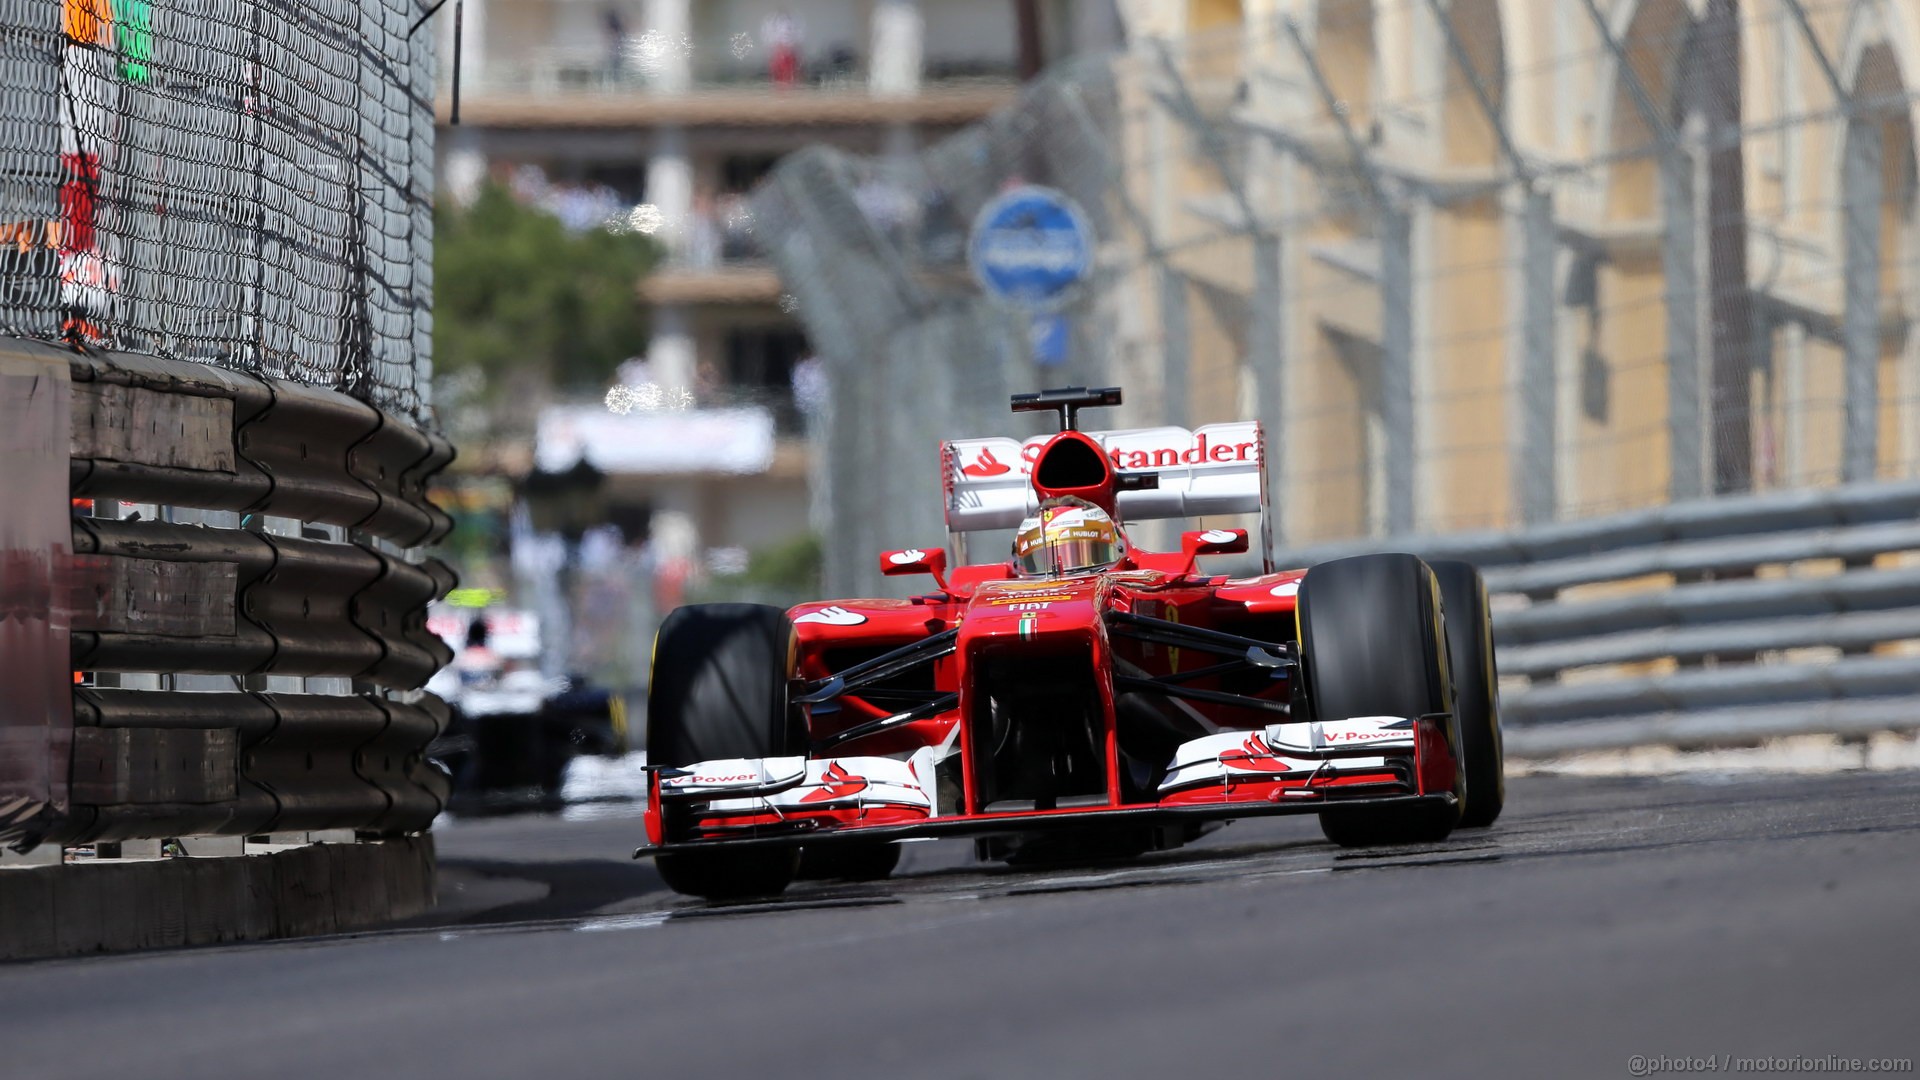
(1476, 690)
(719, 690)
(1372, 645)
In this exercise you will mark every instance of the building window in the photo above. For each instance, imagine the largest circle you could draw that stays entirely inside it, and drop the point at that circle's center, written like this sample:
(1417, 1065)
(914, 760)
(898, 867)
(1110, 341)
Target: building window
(627, 179)
(757, 369)
(740, 173)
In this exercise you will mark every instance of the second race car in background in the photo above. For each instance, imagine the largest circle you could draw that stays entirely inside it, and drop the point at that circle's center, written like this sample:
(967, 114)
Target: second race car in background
(513, 731)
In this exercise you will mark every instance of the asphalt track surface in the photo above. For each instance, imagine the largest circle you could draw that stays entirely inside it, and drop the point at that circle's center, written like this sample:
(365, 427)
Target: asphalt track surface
(1601, 919)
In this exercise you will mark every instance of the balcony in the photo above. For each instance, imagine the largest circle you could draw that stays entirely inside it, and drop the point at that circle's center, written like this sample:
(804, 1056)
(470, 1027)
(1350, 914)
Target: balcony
(713, 256)
(780, 402)
(586, 88)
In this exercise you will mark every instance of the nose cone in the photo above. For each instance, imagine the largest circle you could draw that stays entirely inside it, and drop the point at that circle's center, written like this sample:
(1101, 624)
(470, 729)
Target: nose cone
(1013, 613)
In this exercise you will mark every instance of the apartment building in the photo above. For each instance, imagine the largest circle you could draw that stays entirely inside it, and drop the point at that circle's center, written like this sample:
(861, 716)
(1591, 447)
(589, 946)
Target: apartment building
(661, 115)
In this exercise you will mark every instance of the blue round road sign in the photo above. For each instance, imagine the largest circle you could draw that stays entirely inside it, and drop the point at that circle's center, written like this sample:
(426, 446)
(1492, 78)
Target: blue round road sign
(1030, 247)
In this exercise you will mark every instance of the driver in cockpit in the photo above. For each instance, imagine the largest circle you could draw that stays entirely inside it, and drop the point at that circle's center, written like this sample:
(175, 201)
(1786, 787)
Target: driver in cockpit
(1067, 536)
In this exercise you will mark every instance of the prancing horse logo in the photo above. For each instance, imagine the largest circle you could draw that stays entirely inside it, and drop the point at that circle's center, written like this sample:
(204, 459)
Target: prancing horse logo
(1254, 755)
(838, 784)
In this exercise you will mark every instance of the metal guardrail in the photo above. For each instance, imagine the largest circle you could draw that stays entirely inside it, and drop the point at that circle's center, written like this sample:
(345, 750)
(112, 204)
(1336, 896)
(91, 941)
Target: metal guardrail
(1846, 506)
(155, 597)
(1689, 623)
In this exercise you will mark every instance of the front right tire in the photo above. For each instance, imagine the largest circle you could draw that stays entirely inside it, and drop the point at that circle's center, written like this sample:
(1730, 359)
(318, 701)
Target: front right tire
(1476, 689)
(719, 690)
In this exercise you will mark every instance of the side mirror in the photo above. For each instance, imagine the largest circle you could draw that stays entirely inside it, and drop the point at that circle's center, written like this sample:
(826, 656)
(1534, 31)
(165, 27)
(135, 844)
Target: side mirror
(1198, 542)
(925, 561)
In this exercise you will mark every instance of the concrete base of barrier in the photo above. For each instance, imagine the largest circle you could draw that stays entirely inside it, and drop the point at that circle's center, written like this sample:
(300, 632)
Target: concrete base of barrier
(112, 905)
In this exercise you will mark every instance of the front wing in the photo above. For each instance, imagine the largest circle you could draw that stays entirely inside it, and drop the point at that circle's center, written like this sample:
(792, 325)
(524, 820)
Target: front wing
(1288, 768)
(1044, 821)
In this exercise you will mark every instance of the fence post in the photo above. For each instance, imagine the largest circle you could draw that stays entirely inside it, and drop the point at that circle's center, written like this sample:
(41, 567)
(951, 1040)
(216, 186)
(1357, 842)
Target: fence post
(1860, 215)
(1534, 474)
(1680, 259)
(1539, 389)
(1396, 300)
(1680, 253)
(1861, 319)
(1396, 365)
(1265, 339)
(1177, 339)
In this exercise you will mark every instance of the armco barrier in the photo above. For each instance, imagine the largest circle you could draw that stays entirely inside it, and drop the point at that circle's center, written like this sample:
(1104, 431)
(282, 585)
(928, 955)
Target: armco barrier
(159, 598)
(1691, 623)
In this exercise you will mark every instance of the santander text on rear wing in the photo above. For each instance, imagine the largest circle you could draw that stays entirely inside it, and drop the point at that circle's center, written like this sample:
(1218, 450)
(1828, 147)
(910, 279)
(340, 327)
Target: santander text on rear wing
(1216, 469)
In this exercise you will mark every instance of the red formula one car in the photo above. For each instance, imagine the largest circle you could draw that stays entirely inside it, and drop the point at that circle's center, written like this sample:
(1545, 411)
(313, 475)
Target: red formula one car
(1082, 699)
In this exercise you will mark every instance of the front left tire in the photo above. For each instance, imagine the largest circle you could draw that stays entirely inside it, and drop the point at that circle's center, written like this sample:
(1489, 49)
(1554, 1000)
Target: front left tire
(1372, 644)
(846, 861)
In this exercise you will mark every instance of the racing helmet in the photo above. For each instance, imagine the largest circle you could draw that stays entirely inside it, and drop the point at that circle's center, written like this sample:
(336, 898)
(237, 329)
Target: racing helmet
(1067, 536)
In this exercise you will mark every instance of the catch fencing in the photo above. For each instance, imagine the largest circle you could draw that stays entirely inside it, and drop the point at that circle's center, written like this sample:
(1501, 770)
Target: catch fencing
(1480, 269)
(244, 183)
(1473, 265)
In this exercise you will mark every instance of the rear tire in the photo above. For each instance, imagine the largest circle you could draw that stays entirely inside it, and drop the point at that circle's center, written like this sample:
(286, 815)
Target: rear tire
(719, 690)
(1476, 690)
(1372, 645)
(849, 862)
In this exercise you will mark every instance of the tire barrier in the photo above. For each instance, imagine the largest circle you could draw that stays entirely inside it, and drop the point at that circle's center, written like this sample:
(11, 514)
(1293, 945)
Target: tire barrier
(152, 430)
(269, 241)
(152, 601)
(153, 763)
(1698, 622)
(258, 604)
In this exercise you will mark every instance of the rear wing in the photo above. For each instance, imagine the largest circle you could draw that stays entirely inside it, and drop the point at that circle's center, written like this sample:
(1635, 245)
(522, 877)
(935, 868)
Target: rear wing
(1216, 469)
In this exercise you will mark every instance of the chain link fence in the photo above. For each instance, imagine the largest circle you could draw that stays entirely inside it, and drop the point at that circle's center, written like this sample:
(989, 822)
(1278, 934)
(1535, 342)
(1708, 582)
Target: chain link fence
(244, 183)
(1474, 265)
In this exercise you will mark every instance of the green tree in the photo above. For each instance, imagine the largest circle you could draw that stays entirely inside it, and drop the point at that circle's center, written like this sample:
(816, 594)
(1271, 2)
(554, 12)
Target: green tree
(783, 574)
(525, 308)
